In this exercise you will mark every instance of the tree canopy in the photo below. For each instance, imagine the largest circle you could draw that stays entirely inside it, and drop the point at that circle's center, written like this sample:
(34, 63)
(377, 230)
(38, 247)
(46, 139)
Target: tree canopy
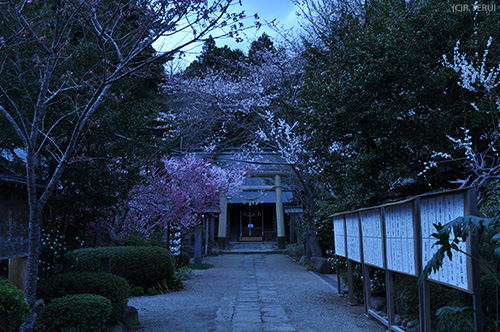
(380, 102)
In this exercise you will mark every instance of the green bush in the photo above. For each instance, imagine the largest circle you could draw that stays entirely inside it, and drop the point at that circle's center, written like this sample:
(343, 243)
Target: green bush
(340, 265)
(183, 259)
(13, 307)
(456, 319)
(406, 295)
(112, 287)
(295, 250)
(135, 241)
(86, 312)
(141, 266)
(137, 291)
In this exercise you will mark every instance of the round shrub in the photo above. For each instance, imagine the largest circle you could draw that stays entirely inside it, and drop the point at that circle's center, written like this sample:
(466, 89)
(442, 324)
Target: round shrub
(13, 307)
(141, 266)
(86, 312)
(114, 288)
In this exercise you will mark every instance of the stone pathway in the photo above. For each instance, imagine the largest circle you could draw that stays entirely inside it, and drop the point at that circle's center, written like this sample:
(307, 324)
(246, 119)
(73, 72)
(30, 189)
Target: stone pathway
(256, 307)
(258, 292)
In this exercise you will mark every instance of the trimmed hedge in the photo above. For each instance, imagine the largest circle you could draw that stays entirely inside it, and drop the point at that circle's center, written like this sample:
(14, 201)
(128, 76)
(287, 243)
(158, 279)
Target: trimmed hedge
(114, 288)
(141, 266)
(86, 312)
(13, 307)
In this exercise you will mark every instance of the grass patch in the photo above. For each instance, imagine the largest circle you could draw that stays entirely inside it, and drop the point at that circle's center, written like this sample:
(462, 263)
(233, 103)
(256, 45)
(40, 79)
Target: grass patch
(200, 266)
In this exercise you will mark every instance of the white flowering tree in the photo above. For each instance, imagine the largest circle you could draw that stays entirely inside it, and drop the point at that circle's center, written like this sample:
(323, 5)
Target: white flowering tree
(252, 111)
(480, 162)
(285, 138)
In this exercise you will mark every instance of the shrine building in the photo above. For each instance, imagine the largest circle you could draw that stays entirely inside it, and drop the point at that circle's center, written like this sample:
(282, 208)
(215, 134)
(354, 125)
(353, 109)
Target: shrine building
(258, 212)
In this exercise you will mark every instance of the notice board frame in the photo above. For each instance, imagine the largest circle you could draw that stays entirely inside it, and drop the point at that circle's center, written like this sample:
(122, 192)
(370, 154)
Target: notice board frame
(472, 284)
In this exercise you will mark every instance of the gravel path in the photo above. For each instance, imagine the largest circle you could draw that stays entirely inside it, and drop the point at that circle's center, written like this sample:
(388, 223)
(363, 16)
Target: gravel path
(251, 293)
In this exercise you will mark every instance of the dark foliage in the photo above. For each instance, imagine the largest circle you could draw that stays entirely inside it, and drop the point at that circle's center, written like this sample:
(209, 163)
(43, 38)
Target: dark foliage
(13, 307)
(112, 287)
(140, 266)
(378, 93)
(182, 259)
(215, 58)
(85, 312)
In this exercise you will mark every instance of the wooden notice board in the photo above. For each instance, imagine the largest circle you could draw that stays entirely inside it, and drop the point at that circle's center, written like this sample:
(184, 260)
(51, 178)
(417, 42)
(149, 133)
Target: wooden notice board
(371, 228)
(353, 238)
(400, 242)
(442, 209)
(339, 233)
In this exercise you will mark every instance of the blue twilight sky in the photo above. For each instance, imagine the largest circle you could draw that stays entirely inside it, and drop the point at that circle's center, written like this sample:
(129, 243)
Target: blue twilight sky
(283, 11)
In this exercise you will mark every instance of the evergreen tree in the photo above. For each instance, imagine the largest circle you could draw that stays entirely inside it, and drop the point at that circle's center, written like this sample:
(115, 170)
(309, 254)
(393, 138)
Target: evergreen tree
(260, 49)
(213, 58)
(380, 101)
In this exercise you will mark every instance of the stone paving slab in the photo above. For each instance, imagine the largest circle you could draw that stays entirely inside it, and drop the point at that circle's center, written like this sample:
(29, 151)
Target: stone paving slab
(243, 248)
(256, 308)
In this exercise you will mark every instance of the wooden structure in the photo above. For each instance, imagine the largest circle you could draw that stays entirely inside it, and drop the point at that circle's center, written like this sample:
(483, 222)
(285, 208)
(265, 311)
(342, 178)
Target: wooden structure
(14, 219)
(397, 238)
(257, 214)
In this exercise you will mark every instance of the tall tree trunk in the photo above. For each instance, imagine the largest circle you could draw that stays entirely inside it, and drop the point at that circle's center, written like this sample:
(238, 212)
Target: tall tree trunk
(32, 272)
(120, 212)
(34, 233)
(312, 244)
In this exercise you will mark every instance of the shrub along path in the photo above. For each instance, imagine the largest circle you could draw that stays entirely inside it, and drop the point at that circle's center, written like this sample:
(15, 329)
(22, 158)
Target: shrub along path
(252, 293)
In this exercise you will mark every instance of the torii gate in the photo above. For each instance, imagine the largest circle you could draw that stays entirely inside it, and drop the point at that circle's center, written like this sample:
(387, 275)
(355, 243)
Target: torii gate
(280, 220)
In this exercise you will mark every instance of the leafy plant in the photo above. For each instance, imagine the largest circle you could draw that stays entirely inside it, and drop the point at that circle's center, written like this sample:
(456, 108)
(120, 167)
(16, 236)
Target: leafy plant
(324, 228)
(135, 241)
(456, 231)
(172, 284)
(182, 259)
(377, 276)
(459, 230)
(340, 265)
(13, 307)
(137, 291)
(295, 250)
(200, 266)
(458, 319)
(54, 246)
(405, 295)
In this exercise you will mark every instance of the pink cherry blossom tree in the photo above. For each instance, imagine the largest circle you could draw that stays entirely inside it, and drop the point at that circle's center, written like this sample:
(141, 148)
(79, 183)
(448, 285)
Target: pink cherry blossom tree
(178, 193)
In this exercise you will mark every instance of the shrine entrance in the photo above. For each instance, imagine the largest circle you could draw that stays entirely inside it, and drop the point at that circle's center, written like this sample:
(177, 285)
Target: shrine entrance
(257, 213)
(252, 222)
